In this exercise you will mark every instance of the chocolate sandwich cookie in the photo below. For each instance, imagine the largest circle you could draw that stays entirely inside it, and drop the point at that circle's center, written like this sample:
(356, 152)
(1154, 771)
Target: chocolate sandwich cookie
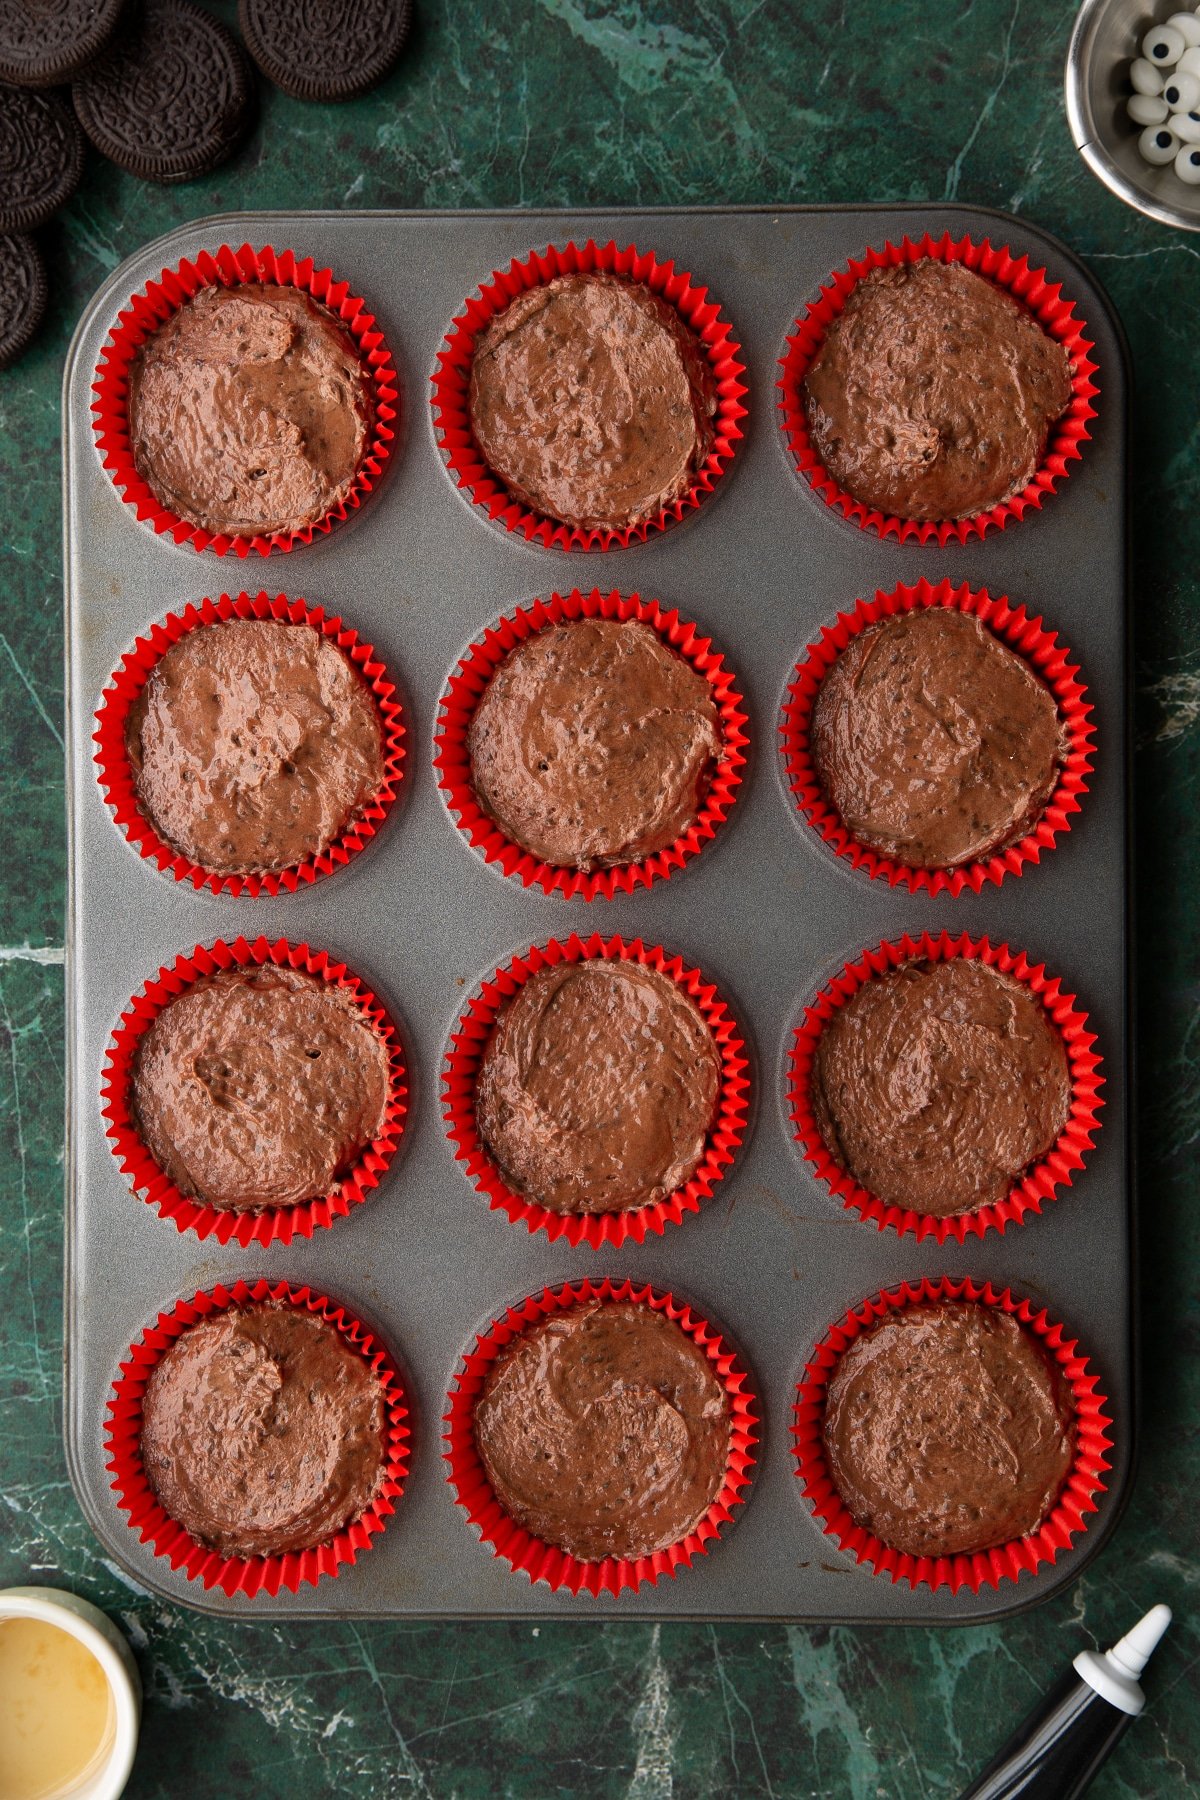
(41, 157)
(330, 52)
(52, 42)
(171, 97)
(22, 295)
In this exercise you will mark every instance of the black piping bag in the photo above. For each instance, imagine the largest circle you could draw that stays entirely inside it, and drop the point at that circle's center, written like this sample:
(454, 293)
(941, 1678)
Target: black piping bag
(1057, 1752)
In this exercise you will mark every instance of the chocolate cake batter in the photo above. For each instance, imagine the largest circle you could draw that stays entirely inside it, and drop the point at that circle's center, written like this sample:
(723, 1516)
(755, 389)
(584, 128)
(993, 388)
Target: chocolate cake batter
(253, 745)
(938, 1084)
(948, 1430)
(933, 741)
(263, 1431)
(593, 744)
(592, 401)
(259, 1087)
(249, 410)
(604, 1431)
(933, 394)
(597, 1087)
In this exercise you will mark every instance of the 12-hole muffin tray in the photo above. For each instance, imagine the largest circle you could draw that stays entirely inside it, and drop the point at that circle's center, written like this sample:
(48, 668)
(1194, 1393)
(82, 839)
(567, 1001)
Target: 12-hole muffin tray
(770, 913)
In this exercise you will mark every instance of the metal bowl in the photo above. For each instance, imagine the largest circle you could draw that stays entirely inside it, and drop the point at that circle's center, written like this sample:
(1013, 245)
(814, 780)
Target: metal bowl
(1106, 38)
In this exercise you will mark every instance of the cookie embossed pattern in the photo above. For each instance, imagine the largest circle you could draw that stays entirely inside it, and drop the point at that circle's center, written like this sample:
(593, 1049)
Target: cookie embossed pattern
(759, 907)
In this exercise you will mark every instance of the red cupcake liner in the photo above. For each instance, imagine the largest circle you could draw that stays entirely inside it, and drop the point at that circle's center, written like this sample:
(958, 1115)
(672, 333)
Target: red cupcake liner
(245, 1575)
(459, 1072)
(1013, 626)
(1038, 295)
(1041, 1183)
(467, 686)
(270, 1225)
(116, 775)
(155, 303)
(451, 387)
(544, 1562)
(983, 1568)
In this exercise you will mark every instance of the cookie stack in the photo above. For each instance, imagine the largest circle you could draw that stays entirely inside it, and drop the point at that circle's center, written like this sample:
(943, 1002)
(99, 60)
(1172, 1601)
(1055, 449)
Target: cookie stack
(160, 88)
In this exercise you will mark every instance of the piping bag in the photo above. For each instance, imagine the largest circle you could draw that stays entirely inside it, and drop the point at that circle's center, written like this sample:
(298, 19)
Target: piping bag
(1057, 1751)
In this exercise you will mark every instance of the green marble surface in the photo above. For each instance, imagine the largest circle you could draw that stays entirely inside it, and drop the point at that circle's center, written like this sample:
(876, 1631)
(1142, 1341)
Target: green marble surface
(575, 102)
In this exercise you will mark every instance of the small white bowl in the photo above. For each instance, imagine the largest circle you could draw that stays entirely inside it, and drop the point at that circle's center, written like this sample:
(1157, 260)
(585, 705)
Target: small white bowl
(54, 1606)
(1106, 38)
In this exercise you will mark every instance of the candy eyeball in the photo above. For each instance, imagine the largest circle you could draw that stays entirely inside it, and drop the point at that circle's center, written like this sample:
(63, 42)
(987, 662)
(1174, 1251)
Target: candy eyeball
(1187, 25)
(1158, 145)
(1145, 77)
(1182, 91)
(1163, 47)
(1144, 109)
(1186, 127)
(1187, 165)
(1189, 62)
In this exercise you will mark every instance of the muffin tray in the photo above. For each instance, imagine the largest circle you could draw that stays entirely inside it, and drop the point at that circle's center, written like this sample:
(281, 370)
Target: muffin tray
(766, 911)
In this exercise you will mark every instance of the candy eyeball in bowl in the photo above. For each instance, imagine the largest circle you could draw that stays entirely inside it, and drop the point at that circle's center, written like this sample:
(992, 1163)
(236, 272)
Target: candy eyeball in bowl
(1180, 94)
(1145, 109)
(1158, 146)
(1133, 102)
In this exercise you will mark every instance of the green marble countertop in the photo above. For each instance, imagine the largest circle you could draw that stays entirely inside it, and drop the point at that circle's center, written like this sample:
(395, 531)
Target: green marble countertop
(645, 102)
